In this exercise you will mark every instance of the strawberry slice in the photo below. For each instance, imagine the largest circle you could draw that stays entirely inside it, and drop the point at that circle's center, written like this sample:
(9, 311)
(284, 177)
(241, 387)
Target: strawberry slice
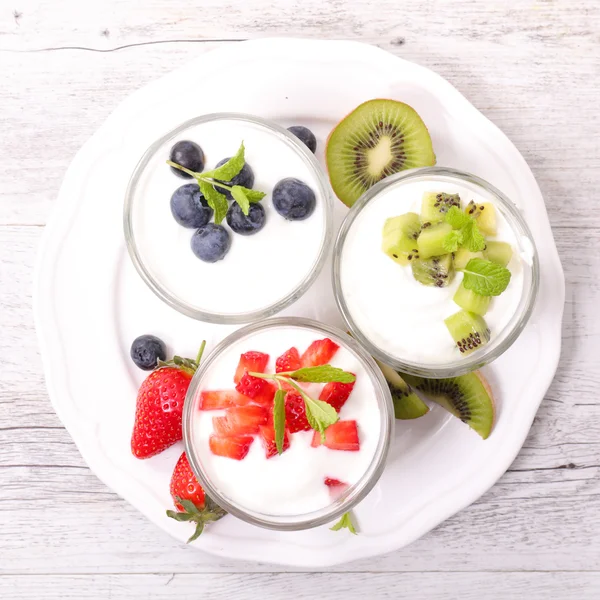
(320, 352)
(240, 420)
(336, 394)
(336, 487)
(342, 435)
(235, 446)
(259, 390)
(251, 362)
(219, 399)
(267, 433)
(288, 361)
(295, 413)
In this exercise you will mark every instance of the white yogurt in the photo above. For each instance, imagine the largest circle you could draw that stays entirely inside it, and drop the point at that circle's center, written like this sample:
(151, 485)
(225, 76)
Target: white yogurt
(259, 269)
(399, 315)
(291, 483)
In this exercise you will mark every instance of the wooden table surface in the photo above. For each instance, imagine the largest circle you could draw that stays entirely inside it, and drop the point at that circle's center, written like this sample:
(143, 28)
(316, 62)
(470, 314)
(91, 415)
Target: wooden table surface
(531, 66)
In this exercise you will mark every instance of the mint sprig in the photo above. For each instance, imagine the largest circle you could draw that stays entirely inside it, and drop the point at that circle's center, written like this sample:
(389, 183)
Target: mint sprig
(470, 236)
(345, 523)
(279, 419)
(321, 374)
(485, 277)
(209, 180)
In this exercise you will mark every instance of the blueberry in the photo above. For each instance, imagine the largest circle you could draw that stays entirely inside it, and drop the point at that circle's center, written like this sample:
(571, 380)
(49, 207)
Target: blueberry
(246, 224)
(244, 178)
(211, 243)
(147, 350)
(305, 135)
(188, 155)
(189, 207)
(293, 199)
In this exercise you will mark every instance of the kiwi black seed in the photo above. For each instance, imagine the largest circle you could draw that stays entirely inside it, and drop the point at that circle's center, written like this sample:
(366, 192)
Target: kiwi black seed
(377, 139)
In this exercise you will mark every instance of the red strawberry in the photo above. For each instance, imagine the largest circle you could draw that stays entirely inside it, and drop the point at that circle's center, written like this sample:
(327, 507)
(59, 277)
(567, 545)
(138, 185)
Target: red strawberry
(259, 390)
(342, 435)
(288, 361)
(240, 420)
(158, 411)
(255, 362)
(295, 413)
(186, 489)
(268, 438)
(336, 394)
(320, 352)
(235, 446)
(330, 482)
(219, 399)
(336, 487)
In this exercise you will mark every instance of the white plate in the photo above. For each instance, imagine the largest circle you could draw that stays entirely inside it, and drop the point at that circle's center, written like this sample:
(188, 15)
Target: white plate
(90, 303)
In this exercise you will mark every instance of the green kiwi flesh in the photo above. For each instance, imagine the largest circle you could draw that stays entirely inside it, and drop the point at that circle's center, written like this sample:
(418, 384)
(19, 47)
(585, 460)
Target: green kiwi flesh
(498, 252)
(462, 257)
(467, 397)
(377, 139)
(468, 330)
(431, 240)
(399, 239)
(407, 405)
(471, 301)
(435, 205)
(437, 270)
(485, 215)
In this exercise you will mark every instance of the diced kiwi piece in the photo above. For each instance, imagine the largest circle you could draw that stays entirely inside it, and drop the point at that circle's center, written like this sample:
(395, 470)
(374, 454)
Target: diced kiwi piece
(435, 205)
(437, 270)
(485, 215)
(377, 139)
(400, 237)
(467, 397)
(498, 252)
(431, 240)
(407, 405)
(471, 301)
(468, 330)
(462, 257)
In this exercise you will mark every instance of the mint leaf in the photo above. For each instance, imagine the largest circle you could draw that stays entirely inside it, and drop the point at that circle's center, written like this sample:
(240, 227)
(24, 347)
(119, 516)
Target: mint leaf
(473, 238)
(252, 195)
(345, 523)
(279, 419)
(485, 277)
(322, 374)
(453, 241)
(215, 200)
(231, 168)
(320, 414)
(237, 191)
(457, 218)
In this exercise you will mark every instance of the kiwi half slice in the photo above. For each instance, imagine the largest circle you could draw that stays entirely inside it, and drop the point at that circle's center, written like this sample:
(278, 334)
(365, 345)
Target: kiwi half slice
(467, 397)
(407, 405)
(377, 139)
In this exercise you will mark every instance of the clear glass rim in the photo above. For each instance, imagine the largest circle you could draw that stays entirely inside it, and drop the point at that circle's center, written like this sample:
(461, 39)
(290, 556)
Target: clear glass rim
(356, 492)
(487, 353)
(229, 318)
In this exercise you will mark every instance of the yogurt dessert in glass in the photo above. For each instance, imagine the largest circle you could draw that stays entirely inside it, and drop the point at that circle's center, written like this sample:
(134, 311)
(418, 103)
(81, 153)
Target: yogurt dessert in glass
(228, 425)
(402, 268)
(251, 267)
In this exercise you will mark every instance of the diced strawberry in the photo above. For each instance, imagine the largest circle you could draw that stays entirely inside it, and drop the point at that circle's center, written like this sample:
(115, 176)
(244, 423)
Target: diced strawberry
(320, 352)
(219, 399)
(259, 390)
(240, 420)
(251, 362)
(342, 435)
(336, 487)
(295, 413)
(336, 394)
(331, 482)
(236, 446)
(267, 433)
(288, 361)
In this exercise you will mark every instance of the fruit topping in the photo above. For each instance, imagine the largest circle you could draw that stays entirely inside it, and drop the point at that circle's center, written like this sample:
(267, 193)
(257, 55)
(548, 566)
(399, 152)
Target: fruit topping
(435, 205)
(498, 252)
(259, 390)
(485, 215)
(320, 352)
(462, 257)
(288, 361)
(295, 413)
(377, 139)
(293, 199)
(431, 241)
(468, 330)
(248, 224)
(400, 237)
(437, 270)
(267, 434)
(146, 351)
(305, 135)
(235, 446)
(471, 301)
(220, 399)
(245, 178)
(188, 155)
(407, 405)
(240, 420)
(249, 362)
(336, 394)
(189, 208)
(211, 243)
(342, 435)
(336, 487)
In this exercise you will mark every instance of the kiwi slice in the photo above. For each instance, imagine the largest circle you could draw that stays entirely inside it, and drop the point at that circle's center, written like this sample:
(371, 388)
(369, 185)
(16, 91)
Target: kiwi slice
(471, 301)
(498, 252)
(437, 270)
(400, 237)
(407, 405)
(485, 215)
(467, 397)
(468, 330)
(431, 240)
(436, 204)
(462, 257)
(377, 139)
